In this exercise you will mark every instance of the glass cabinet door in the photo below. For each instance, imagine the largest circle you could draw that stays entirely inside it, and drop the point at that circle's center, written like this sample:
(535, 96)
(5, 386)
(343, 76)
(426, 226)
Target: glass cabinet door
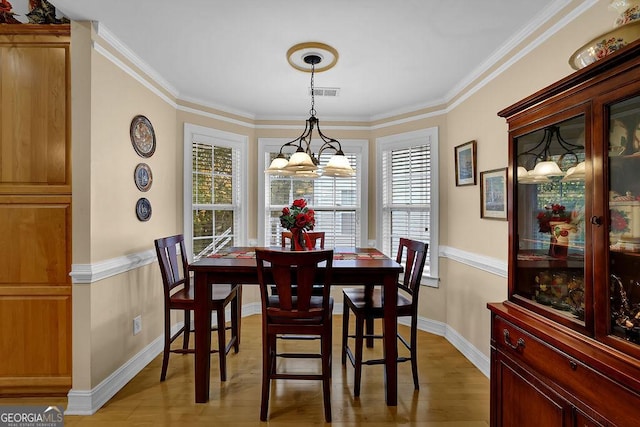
(549, 189)
(624, 219)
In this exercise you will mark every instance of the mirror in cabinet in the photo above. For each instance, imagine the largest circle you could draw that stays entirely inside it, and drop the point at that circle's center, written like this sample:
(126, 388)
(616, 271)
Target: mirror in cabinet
(549, 186)
(624, 219)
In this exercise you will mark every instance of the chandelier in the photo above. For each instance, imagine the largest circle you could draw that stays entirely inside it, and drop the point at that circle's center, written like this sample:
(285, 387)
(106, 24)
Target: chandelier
(304, 163)
(537, 166)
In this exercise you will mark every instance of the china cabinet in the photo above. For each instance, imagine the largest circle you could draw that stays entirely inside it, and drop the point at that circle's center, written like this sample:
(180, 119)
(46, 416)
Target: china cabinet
(565, 346)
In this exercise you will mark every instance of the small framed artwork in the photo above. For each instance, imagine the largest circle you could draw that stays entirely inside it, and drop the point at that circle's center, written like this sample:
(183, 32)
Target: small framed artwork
(466, 164)
(143, 177)
(493, 194)
(143, 137)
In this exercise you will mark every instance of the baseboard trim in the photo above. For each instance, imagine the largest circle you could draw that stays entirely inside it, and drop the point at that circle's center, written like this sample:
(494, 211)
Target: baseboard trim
(87, 402)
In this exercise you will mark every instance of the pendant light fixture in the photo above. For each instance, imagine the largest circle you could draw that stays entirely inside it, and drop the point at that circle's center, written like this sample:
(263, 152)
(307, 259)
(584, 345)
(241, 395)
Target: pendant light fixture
(304, 163)
(540, 159)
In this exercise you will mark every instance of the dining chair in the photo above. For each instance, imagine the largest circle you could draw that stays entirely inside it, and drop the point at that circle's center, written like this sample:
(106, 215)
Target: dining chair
(301, 314)
(366, 304)
(179, 295)
(317, 241)
(314, 236)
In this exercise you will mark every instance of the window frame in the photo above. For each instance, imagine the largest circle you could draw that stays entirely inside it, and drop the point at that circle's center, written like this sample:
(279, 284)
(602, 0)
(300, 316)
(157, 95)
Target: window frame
(402, 141)
(357, 146)
(216, 138)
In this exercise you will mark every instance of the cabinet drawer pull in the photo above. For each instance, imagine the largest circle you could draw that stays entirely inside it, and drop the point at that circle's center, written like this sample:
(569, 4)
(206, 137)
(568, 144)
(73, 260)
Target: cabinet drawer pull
(507, 341)
(573, 365)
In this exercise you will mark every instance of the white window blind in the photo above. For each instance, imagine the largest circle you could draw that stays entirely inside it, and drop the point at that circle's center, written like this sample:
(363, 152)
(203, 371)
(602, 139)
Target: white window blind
(337, 202)
(407, 184)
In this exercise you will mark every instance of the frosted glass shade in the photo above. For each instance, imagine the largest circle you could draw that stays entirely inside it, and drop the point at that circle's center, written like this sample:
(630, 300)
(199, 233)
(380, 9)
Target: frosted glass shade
(547, 169)
(301, 161)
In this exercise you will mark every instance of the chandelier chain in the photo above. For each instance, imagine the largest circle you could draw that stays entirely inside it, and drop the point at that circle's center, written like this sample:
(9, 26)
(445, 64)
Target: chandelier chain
(313, 99)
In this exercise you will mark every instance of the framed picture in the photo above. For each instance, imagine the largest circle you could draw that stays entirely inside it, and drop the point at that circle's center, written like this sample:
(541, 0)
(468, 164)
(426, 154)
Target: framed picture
(493, 194)
(466, 164)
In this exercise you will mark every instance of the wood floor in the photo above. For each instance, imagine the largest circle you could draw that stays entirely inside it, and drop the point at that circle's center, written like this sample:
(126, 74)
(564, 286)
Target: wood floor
(453, 393)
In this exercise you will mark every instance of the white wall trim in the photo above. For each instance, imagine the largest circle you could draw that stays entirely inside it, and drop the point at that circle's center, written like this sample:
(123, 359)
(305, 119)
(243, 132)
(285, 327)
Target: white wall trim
(475, 356)
(88, 402)
(462, 88)
(481, 262)
(89, 273)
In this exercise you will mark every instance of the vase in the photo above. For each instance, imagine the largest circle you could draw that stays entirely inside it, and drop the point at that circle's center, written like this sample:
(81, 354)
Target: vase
(559, 244)
(298, 239)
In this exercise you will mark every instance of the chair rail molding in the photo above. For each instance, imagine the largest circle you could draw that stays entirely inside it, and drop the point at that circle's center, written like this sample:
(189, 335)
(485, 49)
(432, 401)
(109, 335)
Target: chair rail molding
(89, 273)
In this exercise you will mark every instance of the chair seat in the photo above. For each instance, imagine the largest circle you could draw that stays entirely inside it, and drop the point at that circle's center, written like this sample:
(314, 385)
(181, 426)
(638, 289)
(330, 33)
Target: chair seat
(374, 306)
(218, 293)
(315, 305)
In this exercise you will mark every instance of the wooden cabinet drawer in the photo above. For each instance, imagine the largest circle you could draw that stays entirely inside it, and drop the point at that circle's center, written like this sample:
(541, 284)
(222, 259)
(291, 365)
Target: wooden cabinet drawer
(575, 380)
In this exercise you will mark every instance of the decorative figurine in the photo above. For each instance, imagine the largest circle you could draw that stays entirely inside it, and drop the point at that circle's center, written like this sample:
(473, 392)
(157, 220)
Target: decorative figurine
(43, 12)
(6, 16)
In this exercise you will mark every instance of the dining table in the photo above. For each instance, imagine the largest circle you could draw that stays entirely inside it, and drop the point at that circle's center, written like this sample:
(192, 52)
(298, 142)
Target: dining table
(352, 266)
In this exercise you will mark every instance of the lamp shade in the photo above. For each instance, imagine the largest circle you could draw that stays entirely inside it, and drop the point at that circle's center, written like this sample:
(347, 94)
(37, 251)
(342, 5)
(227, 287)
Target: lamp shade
(301, 161)
(547, 168)
(277, 167)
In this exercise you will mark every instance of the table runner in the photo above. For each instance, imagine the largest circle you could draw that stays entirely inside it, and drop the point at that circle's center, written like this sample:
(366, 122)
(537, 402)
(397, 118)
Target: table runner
(336, 256)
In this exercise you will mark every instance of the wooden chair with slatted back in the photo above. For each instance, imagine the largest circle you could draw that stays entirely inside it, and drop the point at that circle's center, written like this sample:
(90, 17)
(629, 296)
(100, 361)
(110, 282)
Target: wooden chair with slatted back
(301, 314)
(367, 308)
(179, 295)
(314, 236)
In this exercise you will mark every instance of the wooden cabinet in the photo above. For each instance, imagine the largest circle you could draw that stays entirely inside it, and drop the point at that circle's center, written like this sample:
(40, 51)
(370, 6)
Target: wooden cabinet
(565, 346)
(35, 210)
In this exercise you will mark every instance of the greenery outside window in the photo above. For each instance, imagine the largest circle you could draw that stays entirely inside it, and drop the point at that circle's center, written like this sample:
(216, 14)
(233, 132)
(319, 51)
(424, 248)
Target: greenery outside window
(214, 189)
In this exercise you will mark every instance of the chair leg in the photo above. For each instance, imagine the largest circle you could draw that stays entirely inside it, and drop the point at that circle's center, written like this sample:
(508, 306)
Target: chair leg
(326, 376)
(222, 344)
(236, 305)
(345, 330)
(167, 345)
(369, 330)
(187, 329)
(358, 355)
(266, 376)
(414, 351)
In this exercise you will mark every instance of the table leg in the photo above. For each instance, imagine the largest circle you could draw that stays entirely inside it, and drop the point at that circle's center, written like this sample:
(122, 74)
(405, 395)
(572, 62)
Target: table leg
(390, 325)
(202, 318)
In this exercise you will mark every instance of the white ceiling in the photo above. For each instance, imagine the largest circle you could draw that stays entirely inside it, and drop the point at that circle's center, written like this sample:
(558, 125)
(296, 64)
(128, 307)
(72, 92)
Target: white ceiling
(394, 56)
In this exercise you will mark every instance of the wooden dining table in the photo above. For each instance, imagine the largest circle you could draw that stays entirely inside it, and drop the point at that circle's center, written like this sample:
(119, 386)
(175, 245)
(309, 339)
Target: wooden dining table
(351, 267)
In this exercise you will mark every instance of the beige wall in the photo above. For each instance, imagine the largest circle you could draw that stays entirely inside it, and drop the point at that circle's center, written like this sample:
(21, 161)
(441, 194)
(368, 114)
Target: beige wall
(468, 289)
(105, 98)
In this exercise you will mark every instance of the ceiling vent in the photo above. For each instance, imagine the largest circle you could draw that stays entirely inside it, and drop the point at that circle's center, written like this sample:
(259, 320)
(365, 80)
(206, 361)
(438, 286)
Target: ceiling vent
(325, 91)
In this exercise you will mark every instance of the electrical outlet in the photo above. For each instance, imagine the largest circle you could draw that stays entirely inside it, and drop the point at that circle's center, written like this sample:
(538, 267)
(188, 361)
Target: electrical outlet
(137, 325)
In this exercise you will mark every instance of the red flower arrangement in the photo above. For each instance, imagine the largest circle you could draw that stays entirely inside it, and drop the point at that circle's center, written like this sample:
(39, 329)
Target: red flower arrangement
(619, 221)
(556, 213)
(298, 216)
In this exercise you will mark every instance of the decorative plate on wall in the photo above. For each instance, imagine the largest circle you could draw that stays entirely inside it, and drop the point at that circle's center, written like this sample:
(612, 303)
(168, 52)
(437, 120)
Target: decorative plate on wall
(142, 135)
(143, 177)
(143, 209)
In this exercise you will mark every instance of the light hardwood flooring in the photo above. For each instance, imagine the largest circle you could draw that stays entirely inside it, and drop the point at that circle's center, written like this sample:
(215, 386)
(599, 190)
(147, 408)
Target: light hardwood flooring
(453, 393)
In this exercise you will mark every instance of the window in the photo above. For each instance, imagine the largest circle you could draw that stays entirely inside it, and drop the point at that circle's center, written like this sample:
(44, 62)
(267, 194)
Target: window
(408, 193)
(214, 188)
(338, 202)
